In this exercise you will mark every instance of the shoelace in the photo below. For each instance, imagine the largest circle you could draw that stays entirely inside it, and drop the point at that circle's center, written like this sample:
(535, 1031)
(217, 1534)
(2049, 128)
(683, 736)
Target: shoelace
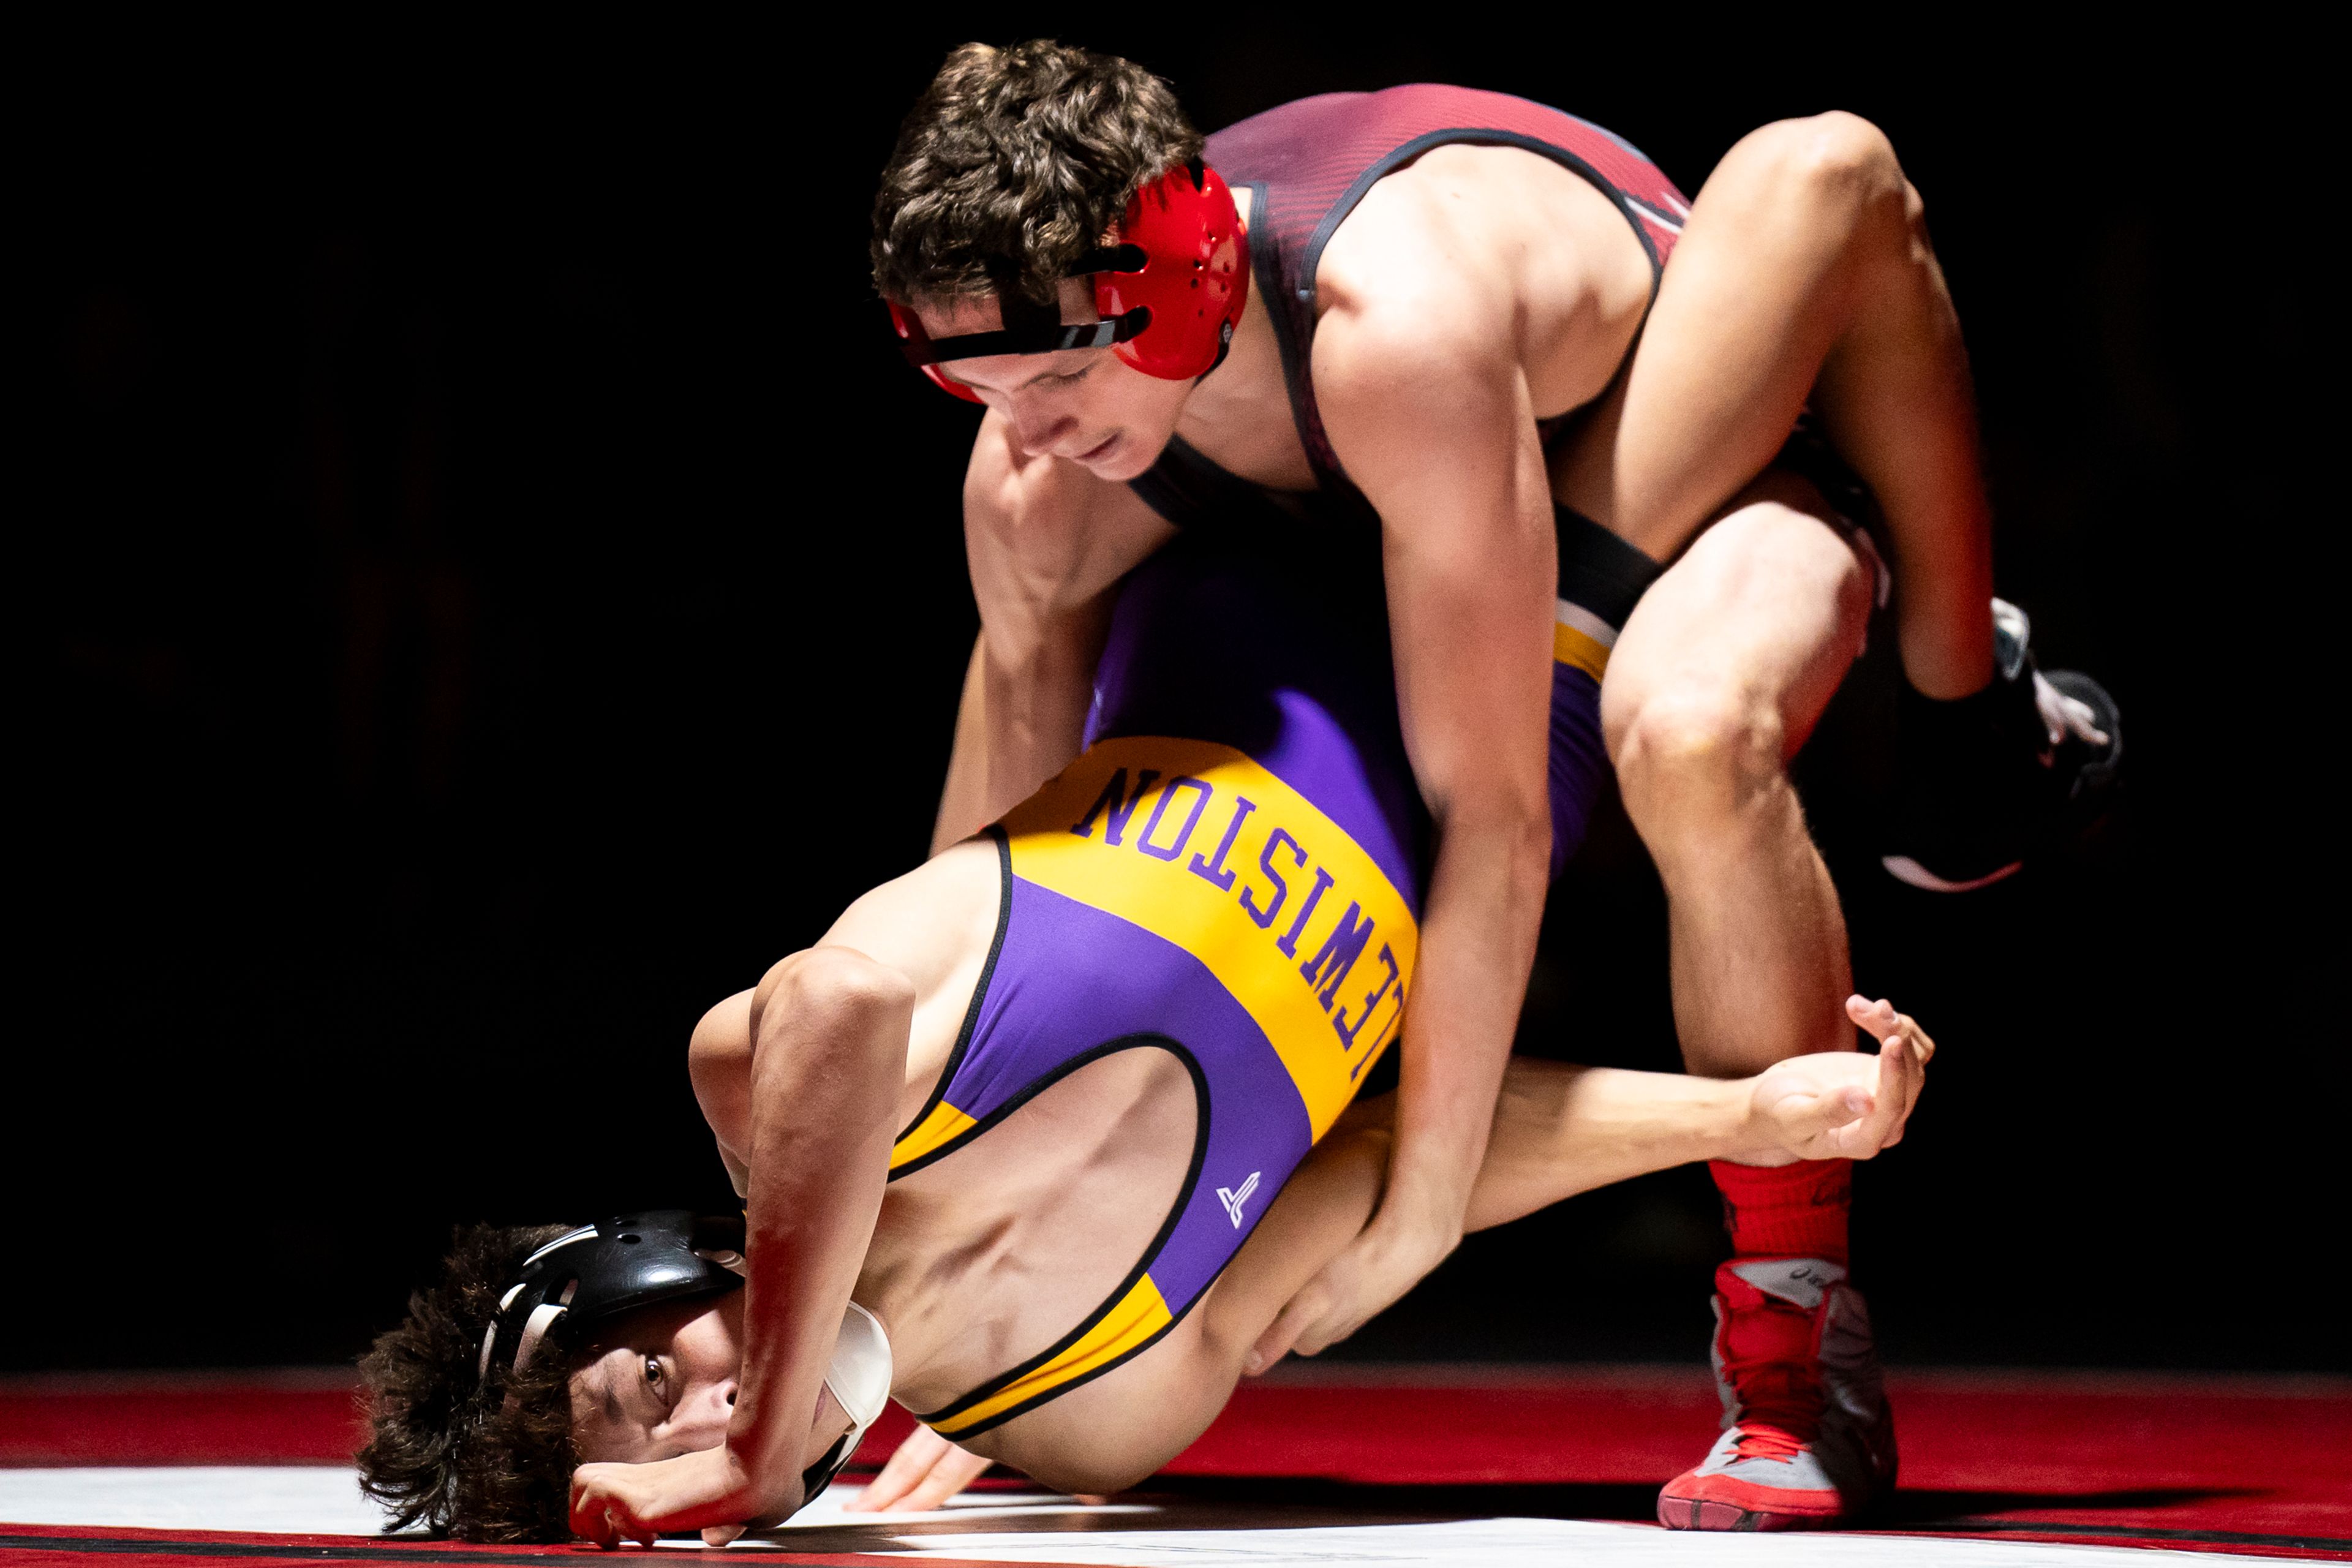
(1778, 1382)
(1761, 1442)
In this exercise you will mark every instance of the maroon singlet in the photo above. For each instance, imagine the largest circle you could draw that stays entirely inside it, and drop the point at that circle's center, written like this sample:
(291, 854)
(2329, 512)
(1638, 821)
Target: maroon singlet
(1307, 164)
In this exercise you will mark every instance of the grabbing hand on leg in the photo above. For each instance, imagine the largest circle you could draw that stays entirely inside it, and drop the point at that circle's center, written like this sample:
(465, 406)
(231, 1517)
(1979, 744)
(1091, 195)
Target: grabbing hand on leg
(1842, 1105)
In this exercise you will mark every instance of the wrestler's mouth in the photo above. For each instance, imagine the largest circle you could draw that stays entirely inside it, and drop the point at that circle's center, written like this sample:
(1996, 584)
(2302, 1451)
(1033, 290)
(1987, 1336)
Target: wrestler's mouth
(1098, 453)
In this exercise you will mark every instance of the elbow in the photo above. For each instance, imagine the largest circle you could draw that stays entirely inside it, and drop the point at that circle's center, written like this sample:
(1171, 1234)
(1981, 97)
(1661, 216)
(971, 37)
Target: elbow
(836, 995)
(842, 981)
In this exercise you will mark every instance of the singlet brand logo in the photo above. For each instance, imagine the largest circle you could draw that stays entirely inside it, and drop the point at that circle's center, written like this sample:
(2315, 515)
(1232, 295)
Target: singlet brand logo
(1233, 1200)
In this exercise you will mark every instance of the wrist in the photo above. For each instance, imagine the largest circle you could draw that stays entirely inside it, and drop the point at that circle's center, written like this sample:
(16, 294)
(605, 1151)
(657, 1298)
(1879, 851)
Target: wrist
(764, 1465)
(1420, 1219)
(1750, 1137)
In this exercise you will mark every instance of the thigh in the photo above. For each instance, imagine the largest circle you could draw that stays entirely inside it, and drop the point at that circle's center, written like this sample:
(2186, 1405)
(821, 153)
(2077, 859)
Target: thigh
(1754, 626)
(1762, 284)
(1109, 1434)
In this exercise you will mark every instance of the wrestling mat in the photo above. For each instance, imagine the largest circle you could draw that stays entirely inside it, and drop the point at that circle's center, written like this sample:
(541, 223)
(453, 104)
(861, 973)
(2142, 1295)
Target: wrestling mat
(1485, 1466)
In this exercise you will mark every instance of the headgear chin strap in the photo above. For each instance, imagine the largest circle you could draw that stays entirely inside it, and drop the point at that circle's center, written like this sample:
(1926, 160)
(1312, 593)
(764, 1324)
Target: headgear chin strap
(1170, 292)
(859, 1377)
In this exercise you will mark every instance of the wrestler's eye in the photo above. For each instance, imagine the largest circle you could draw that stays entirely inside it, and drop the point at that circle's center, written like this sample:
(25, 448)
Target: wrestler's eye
(654, 1373)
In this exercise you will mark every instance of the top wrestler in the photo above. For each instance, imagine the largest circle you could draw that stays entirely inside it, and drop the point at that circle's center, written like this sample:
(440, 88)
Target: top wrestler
(1045, 1107)
(1404, 299)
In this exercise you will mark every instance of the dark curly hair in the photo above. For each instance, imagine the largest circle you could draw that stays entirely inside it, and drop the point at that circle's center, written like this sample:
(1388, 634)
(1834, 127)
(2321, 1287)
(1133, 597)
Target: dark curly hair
(1014, 163)
(447, 1450)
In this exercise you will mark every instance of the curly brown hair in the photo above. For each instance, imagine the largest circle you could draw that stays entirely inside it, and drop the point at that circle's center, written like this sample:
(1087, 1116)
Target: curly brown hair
(1014, 163)
(447, 1450)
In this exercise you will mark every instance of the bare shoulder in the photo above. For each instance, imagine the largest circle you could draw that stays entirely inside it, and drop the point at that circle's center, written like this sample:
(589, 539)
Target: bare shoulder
(1044, 533)
(915, 922)
(1478, 261)
(935, 925)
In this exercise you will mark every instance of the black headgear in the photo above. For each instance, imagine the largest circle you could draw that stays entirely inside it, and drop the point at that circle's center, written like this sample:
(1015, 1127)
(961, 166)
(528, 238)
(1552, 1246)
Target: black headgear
(597, 1272)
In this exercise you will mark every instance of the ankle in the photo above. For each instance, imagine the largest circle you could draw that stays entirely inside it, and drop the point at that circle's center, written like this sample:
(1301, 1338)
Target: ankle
(1787, 1210)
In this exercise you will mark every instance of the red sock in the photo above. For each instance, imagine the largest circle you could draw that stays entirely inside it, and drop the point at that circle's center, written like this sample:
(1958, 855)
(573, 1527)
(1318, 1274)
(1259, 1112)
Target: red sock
(1786, 1211)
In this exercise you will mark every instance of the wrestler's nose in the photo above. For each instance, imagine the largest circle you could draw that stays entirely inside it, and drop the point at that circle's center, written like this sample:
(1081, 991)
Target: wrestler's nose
(1040, 431)
(702, 1418)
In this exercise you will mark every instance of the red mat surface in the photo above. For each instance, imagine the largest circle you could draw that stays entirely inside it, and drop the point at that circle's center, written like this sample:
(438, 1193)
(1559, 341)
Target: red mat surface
(2261, 1466)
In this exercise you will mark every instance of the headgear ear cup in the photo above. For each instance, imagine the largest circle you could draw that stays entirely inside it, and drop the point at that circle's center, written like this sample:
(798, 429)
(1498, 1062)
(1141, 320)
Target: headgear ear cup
(1169, 290)
(1194, 279)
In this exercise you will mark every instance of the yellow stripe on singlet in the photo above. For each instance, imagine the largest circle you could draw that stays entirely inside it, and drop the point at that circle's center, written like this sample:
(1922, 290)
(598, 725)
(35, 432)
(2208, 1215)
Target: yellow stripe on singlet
(1138, 1315)
(944, 1122)
(1581, 638)
(1202, 827)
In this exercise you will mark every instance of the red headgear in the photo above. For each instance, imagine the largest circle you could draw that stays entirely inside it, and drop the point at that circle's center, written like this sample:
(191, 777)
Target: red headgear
(1169, 290)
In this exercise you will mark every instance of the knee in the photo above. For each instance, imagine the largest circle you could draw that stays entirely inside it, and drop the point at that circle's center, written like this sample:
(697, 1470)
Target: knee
(1689, 758)
(1842, 151)
(1835, 164)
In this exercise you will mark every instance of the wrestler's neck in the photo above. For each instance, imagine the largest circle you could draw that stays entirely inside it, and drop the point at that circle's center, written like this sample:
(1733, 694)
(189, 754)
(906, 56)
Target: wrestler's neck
(1238, 415)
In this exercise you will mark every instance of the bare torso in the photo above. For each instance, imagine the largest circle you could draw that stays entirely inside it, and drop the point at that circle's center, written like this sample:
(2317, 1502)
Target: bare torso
(990, 1255)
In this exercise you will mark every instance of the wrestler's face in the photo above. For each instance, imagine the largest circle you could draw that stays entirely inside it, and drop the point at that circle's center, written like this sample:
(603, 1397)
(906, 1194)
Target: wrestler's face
(660, 1382)
(1087, 405)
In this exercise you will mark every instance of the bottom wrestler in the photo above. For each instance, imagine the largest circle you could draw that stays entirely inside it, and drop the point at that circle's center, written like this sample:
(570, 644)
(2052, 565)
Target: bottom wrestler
(1053, 1109)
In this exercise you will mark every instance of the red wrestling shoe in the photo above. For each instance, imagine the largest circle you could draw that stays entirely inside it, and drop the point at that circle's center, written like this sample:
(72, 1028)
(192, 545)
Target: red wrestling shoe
(1808, 1439)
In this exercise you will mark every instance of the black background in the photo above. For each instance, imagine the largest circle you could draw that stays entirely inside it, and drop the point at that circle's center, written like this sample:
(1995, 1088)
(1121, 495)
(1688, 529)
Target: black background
(484, 587)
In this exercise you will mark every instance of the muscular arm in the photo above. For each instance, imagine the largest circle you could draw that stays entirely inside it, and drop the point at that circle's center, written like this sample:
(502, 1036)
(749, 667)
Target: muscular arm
(800, 1080)
(805, 1129)
(1427, 406)
(828, 1058)
(1560, 1129)
(1557, 1130)
(1047, 544)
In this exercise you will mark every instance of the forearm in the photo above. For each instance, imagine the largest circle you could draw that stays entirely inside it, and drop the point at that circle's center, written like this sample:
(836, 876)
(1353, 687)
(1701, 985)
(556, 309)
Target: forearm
(1559, 1131)
(963, 800)
(1024, 715)
(1477, 943)
(829, 1059)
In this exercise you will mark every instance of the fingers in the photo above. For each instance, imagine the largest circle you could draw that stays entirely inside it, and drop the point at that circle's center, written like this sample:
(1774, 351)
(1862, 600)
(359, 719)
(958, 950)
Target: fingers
(955, 1470)
(1827, 1126)
(1920, 1043)
(610, 1526)
(925, 1472)
(1902, 1038)
(595, 1516)
(720, 1534)
(1901, 1077)
(909, 1463)
(1878, 1017)
(1885, 1024)
(1284, 1331)
(1898, 1084)
(1325, 1332)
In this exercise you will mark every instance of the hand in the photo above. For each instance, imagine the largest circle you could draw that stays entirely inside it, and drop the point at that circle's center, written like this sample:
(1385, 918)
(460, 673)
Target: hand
(1388, 1259)
(925, 1472)
(1844, 1105)
(707, 1488)
(2064, 716)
